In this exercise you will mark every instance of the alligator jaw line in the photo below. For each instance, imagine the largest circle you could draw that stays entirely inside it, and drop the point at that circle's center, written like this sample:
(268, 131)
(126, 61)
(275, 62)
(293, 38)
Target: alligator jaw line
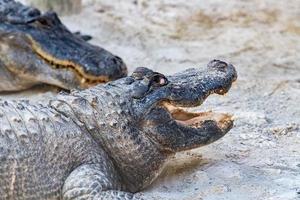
(66, 64)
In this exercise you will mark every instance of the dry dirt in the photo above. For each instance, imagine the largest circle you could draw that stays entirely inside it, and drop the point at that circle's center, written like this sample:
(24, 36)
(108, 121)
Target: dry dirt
(260, 157)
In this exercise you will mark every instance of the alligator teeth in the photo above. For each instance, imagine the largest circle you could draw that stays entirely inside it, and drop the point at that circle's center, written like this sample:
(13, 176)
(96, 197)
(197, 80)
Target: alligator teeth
(83, 80)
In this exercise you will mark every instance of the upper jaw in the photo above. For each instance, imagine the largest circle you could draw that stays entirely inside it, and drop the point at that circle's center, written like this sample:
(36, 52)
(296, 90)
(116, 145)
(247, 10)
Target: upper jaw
(193, 86)
(100, 67)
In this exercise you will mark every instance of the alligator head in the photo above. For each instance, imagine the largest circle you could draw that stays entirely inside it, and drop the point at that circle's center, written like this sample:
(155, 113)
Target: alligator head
(144, 120)
(38, 48)
(166, 120)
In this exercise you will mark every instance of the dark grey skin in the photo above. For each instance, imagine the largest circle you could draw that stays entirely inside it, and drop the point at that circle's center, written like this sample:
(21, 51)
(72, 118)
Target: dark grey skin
(37, 49)
(109, 141)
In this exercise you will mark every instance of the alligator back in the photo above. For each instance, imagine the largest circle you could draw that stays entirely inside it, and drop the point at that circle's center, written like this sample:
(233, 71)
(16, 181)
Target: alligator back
(38, 149)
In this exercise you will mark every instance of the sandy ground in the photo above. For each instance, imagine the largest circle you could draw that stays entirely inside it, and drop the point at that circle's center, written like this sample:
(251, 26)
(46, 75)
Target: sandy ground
(260, 157)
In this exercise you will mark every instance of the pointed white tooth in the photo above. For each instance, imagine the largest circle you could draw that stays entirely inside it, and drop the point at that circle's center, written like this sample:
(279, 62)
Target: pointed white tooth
(83, 80)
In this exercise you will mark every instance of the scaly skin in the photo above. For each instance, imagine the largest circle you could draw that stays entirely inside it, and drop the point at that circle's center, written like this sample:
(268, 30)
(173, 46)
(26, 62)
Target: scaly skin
(37, 49)
(109, 141)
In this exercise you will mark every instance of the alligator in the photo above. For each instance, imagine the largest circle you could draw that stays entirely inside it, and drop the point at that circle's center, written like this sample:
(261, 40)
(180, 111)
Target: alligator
(37, 48)
(109, 141)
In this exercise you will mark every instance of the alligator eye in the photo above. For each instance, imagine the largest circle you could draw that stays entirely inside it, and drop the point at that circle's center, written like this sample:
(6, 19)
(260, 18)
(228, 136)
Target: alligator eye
(43, 22)
(159, 80)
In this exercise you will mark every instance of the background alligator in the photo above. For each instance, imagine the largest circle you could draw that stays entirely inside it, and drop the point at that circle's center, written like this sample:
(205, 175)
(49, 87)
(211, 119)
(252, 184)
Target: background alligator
(37, 48)
(111, 140)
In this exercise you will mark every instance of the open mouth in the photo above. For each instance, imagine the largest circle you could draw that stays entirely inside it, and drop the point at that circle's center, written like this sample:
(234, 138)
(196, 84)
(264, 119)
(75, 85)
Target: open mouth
(84, 78)
(197, 119)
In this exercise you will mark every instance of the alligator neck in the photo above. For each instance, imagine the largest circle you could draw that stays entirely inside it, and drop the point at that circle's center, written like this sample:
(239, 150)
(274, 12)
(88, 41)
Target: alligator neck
(103, 113)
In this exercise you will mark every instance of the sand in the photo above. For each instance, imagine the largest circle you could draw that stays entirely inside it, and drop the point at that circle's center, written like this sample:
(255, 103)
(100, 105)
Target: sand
(260, 157)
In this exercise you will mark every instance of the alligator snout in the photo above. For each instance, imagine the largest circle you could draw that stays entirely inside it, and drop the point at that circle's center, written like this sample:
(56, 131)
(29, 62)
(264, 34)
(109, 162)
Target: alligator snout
(217, 64)
(223, 67)
(118, 67)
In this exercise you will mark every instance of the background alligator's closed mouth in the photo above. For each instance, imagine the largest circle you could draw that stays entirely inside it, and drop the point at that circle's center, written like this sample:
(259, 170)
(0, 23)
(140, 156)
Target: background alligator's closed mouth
(85, 79)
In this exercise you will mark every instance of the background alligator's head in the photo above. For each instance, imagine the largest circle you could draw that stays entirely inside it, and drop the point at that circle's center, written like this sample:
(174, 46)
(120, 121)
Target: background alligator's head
(40, 49)
(143, 121)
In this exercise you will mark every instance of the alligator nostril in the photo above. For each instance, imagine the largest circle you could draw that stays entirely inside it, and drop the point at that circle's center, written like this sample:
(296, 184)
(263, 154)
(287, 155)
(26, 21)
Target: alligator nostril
(122, 65)
(32, 12)
(118, 66)
(118, 58)
(217, 64)
(115, 61)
